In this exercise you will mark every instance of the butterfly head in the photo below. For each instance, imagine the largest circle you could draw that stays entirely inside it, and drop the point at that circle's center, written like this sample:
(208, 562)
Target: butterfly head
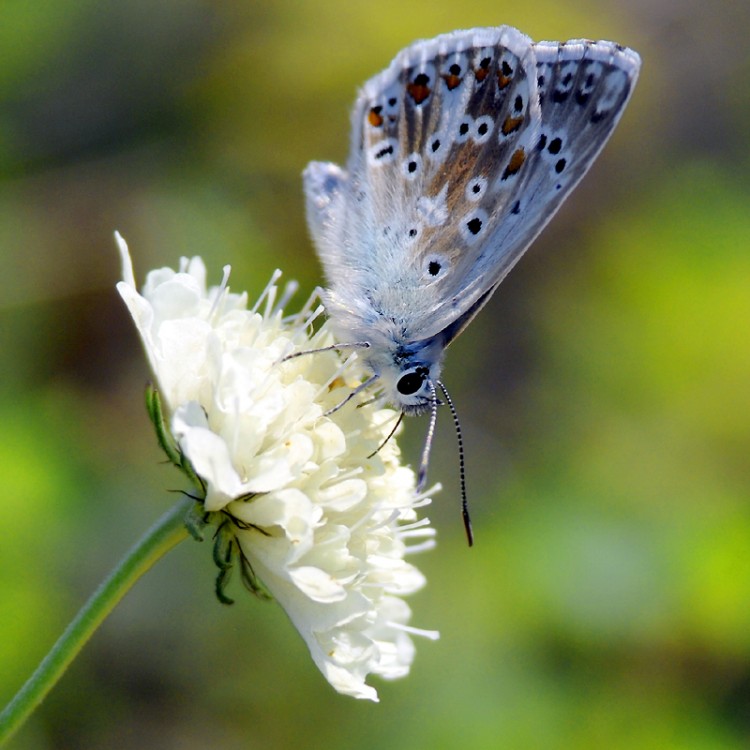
(414, 390)
(408, 375)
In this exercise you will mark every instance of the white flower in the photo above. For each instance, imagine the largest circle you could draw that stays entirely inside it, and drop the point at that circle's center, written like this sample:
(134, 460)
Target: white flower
(324, 527)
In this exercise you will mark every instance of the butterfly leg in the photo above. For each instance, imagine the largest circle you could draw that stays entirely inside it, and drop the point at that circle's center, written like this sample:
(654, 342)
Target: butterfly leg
(361, 387)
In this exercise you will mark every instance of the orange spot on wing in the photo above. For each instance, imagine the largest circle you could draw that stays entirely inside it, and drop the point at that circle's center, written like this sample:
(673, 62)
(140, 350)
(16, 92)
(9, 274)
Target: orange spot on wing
(511, 124)
(503, 81)
(451, 81)
(515, 163)
(418, 91)
(375, 118)
(483, 70)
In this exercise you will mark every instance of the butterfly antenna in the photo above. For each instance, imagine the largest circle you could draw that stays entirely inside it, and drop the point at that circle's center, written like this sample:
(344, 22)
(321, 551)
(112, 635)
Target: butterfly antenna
(461, 466)
(331, 348)
(390, 435)
(425, 460)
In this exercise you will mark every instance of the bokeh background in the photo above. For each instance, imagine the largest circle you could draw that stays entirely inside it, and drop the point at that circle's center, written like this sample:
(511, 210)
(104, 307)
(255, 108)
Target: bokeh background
(604, 392)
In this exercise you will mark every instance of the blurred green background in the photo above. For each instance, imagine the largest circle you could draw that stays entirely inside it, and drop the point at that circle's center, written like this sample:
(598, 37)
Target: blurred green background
(604, 393)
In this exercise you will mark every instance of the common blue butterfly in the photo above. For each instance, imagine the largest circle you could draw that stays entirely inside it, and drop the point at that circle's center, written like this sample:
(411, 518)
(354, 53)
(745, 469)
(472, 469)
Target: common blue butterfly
(461, 151)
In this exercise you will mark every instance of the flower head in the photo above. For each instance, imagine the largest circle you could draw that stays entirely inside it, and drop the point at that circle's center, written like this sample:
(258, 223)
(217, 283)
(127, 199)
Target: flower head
(320, 521)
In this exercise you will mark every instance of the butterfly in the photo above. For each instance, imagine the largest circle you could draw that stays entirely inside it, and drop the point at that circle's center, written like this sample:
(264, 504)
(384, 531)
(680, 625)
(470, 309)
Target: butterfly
(461, 151)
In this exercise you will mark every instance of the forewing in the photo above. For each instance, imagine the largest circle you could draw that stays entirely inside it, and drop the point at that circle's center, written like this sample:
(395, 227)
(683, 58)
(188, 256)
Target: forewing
(438, 142)
(462, 150)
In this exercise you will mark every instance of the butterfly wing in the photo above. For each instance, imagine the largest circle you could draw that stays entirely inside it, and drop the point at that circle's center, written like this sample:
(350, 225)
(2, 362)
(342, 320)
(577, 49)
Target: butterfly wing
(583, 87)
(461, 151)
(385, 229)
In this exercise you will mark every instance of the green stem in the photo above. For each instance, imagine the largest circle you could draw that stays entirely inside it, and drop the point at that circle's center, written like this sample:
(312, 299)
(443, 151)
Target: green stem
(168, 531)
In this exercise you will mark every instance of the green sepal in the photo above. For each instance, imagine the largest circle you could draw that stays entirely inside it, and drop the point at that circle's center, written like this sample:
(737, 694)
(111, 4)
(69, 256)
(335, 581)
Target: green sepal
(227, 552)
(167, 442)
(222, 580)
(224, 551)
(196, 521)
(251, 581)
(224, 546)
(163, 435)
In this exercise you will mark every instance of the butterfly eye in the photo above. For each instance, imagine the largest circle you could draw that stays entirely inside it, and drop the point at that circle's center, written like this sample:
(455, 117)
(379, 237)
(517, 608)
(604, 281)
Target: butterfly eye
(410, 383)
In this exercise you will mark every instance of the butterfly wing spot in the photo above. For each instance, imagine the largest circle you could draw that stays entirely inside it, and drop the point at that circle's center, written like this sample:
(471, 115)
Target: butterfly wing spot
(516, 208)
(476, 189)
(483, 69)
(555, 145)
(413, 234)
(419, 88)
(453, 77)
(437, 146)
(515, 164)
(391, 102)
(412, 166)
(504, 75)
(437, 265)
(375, 118)
(511, 125)
(453, 69)
(483, 127)
(560, 165)
(383, 108)
(382, 152)
(465, 128)
(472, 225)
